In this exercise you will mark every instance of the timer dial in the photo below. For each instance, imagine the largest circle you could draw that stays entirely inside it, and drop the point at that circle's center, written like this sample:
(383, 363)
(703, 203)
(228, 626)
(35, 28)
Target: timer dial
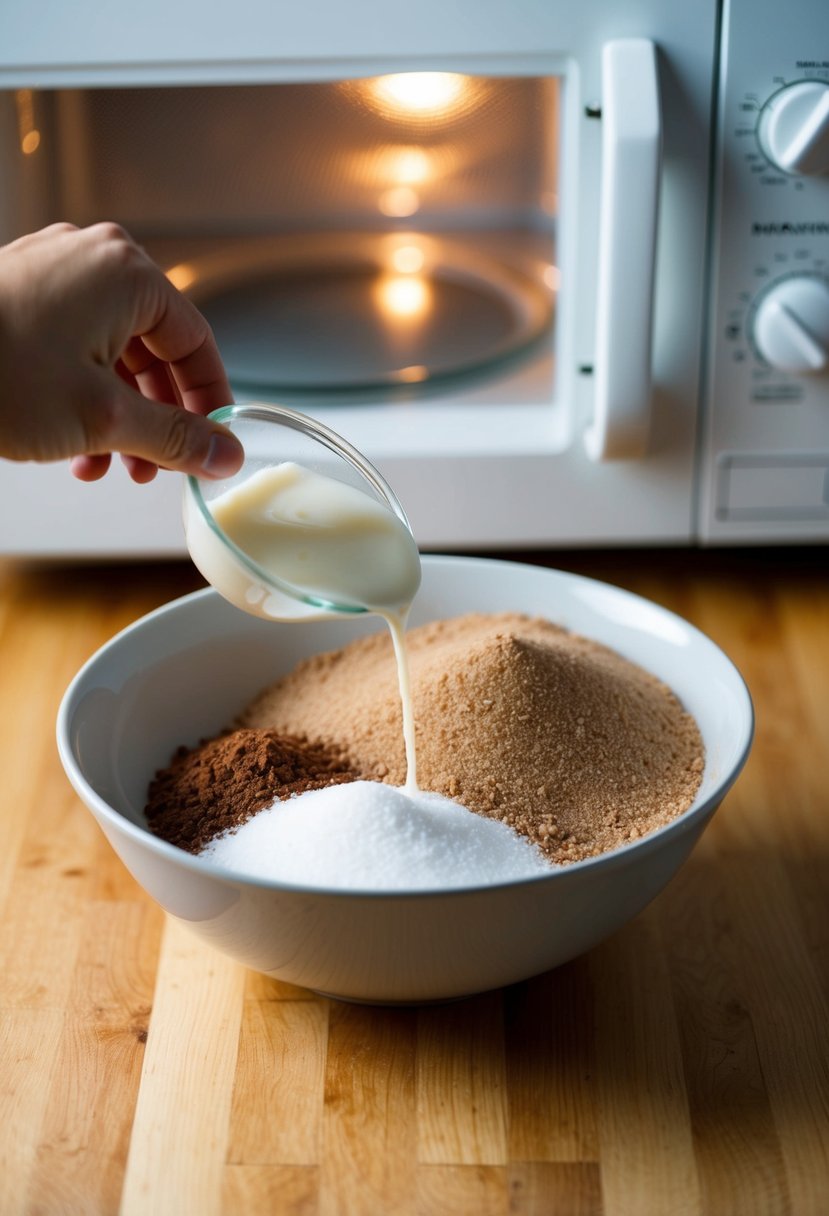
(791, 324)
(794, 128)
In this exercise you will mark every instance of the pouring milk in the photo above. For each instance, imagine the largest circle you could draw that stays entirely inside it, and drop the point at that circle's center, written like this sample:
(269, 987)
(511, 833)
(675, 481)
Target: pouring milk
(338, 547)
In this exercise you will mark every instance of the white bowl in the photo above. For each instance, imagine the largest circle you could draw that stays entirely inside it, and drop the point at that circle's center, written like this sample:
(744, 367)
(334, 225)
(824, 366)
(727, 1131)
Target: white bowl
(181, 673)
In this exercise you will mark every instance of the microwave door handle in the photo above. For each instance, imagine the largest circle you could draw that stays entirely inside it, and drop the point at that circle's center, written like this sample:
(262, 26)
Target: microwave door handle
(631, 158)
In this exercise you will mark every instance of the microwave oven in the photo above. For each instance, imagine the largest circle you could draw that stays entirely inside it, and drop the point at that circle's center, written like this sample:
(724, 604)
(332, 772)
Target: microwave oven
(561, 271)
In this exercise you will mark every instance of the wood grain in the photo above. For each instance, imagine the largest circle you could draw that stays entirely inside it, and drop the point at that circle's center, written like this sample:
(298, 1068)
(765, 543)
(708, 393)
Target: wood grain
(179, 1141)
(680, 1067)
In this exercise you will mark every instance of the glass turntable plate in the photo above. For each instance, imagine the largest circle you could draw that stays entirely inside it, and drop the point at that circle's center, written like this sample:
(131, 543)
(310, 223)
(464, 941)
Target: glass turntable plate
(350, 311)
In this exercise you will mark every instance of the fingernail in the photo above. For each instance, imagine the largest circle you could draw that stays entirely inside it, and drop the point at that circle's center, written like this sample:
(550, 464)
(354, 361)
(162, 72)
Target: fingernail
(224, 455)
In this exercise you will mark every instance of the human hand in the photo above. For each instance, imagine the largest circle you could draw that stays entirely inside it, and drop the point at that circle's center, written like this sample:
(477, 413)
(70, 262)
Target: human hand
(99, 353)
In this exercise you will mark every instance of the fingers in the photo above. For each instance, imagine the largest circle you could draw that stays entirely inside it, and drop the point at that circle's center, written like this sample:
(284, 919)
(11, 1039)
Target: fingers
(93, 468)
(173, 331)
(152, 378)
(105, 352)
(149, 374)
(150, 321)
(172, 359)
(90, 468)
(154, 433)
(141, 471)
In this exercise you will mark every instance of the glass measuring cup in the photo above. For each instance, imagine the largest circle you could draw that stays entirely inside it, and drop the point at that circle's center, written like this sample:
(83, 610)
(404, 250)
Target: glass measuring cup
(275, 436)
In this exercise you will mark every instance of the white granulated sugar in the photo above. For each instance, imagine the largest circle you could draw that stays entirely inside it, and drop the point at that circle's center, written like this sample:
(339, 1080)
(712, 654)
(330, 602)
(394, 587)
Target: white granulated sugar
(368, 836)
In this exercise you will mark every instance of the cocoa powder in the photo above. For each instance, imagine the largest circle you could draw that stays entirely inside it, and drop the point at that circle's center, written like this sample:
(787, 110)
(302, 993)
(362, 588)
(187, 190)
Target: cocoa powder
(219, 785)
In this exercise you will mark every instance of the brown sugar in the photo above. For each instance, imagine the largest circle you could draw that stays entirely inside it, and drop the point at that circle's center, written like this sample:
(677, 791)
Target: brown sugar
(219, 785)
(574, 746)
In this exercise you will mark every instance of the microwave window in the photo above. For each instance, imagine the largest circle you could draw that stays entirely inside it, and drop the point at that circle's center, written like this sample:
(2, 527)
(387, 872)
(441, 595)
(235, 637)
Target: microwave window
(359, 236)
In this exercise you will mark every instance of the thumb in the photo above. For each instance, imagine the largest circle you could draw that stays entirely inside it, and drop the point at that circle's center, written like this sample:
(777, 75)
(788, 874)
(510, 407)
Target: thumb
(167, 435)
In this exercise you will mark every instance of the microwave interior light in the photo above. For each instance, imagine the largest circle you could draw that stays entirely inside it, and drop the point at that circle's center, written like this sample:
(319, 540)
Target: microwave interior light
(407, 297)
(406, 166)
(407, 259)
(182, 275)
(414, 374)
(28, 132)
(419, 93)
(399, 201)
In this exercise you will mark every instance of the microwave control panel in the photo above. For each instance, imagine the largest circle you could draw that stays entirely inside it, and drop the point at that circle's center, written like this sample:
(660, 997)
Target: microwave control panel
(764, 447)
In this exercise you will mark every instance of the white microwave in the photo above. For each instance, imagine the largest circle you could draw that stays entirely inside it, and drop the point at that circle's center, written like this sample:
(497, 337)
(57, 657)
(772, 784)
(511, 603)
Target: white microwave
(560, 270)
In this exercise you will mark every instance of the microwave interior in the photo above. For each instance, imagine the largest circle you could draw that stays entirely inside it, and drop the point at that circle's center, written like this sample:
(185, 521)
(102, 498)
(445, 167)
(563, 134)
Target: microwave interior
(348, 240)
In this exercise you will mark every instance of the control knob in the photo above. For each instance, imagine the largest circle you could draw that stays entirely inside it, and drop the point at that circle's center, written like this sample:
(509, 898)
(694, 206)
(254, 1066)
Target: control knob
(791, 324)
(794, 128)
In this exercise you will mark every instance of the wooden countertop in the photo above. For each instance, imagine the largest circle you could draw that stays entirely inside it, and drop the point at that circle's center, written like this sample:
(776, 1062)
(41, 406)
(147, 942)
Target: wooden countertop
(680, 1068)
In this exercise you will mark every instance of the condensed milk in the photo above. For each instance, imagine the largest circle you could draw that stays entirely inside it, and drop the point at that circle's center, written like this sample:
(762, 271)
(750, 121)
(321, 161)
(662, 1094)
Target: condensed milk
(338, 549)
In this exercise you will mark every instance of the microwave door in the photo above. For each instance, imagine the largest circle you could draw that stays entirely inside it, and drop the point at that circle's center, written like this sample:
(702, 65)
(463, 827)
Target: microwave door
(470, 240)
